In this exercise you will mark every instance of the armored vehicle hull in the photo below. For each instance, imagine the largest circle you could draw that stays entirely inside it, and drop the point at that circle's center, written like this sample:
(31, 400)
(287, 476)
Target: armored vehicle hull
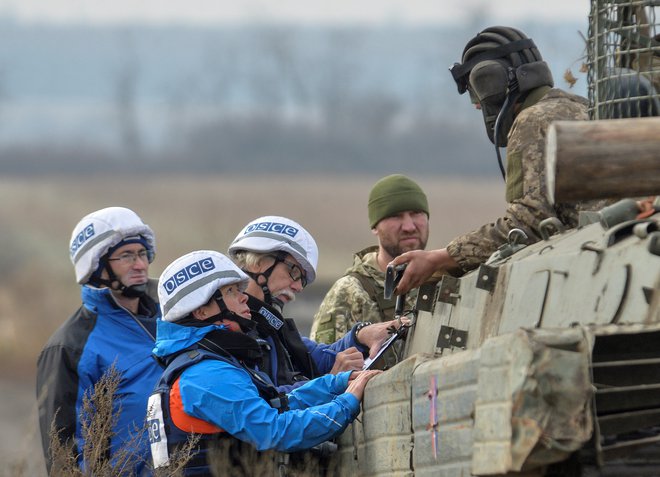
(546, 360)
(536, 363)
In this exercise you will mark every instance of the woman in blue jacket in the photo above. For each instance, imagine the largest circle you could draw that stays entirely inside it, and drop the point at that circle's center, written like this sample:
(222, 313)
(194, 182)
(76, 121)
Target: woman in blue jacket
(212, 387)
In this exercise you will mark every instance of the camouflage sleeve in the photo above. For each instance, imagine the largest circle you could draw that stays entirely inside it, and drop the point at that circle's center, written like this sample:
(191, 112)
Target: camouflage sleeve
(345, 304)
(529, 205)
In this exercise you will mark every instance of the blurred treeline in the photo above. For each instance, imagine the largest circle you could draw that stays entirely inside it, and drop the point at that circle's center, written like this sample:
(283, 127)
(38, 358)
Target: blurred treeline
(245, 98)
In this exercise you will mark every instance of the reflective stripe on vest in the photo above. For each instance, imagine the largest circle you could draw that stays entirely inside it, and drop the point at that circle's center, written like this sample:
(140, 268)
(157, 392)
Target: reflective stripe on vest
(157, 434)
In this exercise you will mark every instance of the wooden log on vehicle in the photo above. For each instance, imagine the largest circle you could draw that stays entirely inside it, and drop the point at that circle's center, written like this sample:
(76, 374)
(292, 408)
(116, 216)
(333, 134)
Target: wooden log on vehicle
(612, 158)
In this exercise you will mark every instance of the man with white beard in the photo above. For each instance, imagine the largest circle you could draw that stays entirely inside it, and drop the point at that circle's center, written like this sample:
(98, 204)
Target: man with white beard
(280, 257)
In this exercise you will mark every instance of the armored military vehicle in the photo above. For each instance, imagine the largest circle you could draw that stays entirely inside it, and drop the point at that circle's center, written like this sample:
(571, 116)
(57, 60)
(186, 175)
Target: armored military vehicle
(545, 360)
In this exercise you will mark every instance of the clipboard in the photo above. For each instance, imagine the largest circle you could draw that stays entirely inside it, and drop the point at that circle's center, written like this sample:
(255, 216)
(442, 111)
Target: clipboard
(384, 347)
(392, 278)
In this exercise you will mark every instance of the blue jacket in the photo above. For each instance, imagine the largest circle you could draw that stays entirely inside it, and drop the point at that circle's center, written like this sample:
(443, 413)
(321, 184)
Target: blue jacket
(224, 395)
(99, 335)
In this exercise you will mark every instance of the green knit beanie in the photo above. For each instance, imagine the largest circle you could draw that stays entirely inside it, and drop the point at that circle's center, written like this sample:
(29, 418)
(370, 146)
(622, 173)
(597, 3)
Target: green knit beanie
(394, 194)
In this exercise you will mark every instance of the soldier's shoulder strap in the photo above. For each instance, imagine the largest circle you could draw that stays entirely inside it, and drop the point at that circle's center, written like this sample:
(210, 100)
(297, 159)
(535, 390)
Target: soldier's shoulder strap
(385, 307)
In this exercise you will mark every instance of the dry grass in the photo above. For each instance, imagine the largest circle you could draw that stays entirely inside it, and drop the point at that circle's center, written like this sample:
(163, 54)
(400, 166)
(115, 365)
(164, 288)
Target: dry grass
(98, 419)
(179, 458)
(228, 457)
(233, 458)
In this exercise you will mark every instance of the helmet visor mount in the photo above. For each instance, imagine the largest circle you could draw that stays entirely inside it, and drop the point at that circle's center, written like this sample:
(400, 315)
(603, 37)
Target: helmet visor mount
(461, 71)
(459, 77)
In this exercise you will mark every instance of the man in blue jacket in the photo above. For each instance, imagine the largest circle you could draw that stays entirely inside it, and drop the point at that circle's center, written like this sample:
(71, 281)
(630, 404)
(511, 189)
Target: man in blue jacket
(212, 386)
(111, 250)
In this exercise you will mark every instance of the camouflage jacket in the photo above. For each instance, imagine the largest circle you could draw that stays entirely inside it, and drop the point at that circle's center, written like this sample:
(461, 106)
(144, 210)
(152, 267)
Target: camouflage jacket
(527, 204)
(347, 302)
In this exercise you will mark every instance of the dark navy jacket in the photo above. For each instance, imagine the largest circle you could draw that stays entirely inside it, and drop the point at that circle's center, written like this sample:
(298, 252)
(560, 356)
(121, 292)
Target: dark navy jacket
(292, 358)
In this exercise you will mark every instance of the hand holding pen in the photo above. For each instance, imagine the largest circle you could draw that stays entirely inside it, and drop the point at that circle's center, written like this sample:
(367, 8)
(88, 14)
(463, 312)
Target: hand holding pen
(350, 359)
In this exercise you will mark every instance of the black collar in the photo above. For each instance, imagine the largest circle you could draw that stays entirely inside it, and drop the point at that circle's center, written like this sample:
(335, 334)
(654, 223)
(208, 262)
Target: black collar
(268, 318)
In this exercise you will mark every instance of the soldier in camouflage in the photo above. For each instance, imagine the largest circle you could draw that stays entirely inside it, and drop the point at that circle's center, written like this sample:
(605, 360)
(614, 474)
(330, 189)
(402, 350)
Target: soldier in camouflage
(527, 204)
(398, 215)
(508, 81)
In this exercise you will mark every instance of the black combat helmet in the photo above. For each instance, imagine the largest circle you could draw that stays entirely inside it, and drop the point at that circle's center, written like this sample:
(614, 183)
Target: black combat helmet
(499, 67)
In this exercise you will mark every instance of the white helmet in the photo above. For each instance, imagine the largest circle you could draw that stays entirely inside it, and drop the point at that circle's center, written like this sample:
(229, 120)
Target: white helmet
(279, 234)
(190, 281)
(102, 230)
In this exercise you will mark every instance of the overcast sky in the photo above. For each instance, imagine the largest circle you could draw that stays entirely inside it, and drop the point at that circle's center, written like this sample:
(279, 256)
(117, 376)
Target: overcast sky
(304, 11)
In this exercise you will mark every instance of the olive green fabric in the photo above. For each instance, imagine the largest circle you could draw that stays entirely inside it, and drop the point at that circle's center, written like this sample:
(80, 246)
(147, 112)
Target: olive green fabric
(394, 194)
(514, 176)
(514, 167)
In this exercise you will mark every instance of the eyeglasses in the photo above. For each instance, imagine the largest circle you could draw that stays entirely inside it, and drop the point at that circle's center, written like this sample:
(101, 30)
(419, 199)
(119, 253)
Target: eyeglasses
(129, 258)
(296, 273)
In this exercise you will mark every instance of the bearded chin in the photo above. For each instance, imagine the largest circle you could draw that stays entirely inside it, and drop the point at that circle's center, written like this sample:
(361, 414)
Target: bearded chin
(287, 293)
(276, 298)
(396, 250)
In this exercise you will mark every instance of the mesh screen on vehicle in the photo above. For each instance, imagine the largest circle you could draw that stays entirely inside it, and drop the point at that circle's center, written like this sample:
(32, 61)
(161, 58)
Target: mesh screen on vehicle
(624, 59)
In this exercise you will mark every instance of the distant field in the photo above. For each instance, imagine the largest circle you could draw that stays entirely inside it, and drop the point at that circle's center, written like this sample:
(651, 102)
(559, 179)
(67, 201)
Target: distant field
(37, 289)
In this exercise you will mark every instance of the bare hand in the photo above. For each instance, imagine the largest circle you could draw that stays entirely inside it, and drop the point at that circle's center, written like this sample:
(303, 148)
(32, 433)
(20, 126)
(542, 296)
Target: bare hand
(422, 264)
(359, 381)
(373, 336)
(646, 207)
(350, 359)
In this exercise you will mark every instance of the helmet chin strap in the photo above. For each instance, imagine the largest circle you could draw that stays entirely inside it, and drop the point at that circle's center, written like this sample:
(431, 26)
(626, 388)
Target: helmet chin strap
(277, 303)
(506, 108)
(264, 276)
(268, 298)
(226, 314)
(512, 96)
(133, 291)
(246, 325)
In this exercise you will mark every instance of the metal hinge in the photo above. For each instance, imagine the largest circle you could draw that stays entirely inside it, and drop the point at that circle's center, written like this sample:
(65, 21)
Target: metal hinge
(452, 337)
(426, 297)
(486, 277)
(448, 289)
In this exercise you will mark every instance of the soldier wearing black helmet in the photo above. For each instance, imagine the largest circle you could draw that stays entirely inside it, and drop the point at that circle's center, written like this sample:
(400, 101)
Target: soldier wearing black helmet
(507, 79)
